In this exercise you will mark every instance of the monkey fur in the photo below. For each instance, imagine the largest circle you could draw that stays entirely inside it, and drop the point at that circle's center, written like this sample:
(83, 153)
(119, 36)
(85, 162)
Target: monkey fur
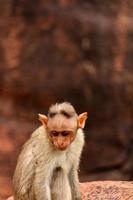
(44, 172)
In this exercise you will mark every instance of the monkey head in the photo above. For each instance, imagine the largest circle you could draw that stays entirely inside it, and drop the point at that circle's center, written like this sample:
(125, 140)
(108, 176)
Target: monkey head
(62, 124)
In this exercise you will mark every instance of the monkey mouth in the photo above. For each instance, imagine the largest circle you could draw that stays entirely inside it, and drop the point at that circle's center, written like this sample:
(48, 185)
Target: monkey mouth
(62, 148)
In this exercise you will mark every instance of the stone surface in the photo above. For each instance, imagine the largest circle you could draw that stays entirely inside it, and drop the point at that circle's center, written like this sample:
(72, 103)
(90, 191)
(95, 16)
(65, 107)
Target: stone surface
(107, 190)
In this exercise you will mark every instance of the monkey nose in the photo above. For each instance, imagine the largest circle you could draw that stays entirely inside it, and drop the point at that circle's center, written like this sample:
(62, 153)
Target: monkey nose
(62, 146)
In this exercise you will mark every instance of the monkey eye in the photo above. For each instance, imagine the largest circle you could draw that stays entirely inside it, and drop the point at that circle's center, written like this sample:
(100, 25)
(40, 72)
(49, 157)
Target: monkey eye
(54, 133)
(65, 133)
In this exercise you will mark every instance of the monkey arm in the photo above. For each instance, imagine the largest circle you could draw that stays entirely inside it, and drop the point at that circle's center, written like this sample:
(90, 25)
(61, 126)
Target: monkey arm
(42, 191)
(41, 186)
(30, 180)
(24, 173)
(74, 183)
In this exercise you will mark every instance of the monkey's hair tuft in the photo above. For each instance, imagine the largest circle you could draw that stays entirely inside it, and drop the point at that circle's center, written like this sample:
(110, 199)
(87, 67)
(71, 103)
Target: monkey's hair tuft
(65, 108)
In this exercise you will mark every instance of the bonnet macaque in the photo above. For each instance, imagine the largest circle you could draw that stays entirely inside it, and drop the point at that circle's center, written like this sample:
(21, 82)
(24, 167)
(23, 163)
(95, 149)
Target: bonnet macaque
(48, 164)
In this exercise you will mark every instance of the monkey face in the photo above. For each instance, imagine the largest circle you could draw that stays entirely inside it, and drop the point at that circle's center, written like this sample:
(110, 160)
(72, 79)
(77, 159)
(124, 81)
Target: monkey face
(62, 131)
(61, 140)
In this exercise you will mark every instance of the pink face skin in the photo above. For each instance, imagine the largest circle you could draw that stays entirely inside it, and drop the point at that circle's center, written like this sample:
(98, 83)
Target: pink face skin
(61, 135)
(10, 198)
(61, 140)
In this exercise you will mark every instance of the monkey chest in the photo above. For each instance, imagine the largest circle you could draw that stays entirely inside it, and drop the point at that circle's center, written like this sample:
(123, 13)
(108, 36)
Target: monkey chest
(66, 161)
(63, 162)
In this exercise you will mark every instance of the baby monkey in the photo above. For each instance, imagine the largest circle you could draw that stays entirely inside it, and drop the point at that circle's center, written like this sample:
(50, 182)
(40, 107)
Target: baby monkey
(47, 167)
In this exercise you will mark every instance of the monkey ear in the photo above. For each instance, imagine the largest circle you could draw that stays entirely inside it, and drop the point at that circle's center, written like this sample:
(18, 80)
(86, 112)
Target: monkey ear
(43, 119)
(82, 119)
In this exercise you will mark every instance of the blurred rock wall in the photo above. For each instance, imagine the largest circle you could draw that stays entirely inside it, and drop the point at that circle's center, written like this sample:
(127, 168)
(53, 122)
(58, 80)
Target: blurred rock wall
(68, 50)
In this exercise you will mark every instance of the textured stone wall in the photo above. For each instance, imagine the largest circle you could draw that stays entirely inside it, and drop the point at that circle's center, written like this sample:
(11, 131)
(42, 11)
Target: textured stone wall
(77, 51)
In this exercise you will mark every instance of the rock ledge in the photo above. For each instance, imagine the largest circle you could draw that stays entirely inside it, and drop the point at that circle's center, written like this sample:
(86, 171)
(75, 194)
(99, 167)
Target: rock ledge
(105, 190)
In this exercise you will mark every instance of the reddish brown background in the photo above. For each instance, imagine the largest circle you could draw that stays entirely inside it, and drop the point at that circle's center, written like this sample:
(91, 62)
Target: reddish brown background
(68, 50)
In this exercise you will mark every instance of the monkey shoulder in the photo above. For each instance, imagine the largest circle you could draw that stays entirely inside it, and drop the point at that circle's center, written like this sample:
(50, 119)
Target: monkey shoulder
(38, 133)
(75, 149)
(39, 142)
(33, 146)
(78, 143)
(33, 140)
